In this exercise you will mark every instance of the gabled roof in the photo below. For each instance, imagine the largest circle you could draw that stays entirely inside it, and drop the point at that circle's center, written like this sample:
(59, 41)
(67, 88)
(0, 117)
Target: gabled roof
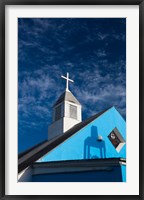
(67, 96)
(30, 156)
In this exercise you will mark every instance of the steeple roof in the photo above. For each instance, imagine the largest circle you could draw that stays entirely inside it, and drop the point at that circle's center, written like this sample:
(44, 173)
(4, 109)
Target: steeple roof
(67, 96)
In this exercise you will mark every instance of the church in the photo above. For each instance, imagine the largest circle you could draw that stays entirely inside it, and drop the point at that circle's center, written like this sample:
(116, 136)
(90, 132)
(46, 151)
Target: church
(93, 150)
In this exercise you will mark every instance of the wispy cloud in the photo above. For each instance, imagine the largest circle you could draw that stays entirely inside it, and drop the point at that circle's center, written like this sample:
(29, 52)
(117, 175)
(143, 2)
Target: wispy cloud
(102, 36)
(34, 91)
(101, 53)
(100, 90)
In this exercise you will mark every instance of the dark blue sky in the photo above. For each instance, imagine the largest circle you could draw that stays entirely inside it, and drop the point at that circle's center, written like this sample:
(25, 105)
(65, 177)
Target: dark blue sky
(92, 50)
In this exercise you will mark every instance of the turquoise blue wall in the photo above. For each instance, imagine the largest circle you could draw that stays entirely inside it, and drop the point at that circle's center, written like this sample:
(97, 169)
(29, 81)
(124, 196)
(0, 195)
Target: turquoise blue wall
(123, 169)
(84, 144)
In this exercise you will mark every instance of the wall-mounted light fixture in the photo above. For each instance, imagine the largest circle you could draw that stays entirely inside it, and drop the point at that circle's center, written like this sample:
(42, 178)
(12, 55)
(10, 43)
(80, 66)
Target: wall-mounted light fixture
(99, 138)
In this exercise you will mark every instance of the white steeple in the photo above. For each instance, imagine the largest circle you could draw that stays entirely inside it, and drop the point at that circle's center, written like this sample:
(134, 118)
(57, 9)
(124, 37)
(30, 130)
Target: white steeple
(66, 112)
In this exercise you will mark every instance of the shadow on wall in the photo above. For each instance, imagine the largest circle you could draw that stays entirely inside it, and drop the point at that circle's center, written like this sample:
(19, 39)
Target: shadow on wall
(92, 147)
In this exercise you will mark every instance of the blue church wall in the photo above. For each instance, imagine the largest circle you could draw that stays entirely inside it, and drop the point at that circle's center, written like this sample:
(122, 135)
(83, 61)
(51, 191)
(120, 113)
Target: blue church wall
(123, 169)
(112, 175)
(84, 144)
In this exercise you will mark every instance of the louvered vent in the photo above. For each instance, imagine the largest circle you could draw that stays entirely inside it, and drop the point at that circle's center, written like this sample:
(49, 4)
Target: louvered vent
(57, 113)
(73, 111)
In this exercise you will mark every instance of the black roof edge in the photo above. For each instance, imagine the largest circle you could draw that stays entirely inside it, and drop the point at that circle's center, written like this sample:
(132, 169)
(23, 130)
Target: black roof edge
(99, 160)
(52, 144)
(77, 166)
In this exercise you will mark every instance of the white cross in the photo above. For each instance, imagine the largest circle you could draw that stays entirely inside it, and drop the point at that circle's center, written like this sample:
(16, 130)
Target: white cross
(67, 80)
